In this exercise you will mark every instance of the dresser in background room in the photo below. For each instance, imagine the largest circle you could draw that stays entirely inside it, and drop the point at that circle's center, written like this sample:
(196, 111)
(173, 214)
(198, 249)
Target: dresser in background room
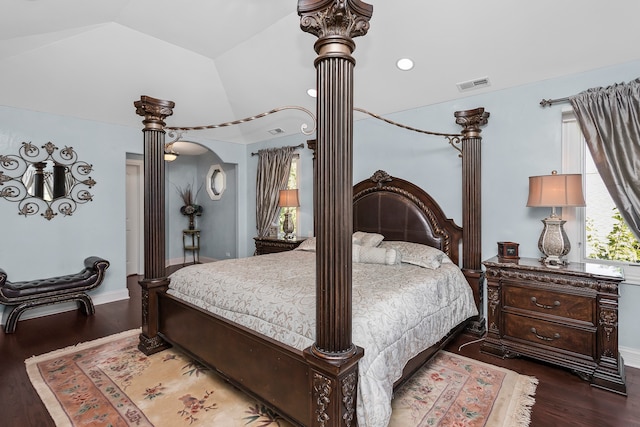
(564, 315)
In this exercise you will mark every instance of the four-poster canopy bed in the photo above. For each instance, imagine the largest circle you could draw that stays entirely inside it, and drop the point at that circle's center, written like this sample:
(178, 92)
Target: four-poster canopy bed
(317, 385)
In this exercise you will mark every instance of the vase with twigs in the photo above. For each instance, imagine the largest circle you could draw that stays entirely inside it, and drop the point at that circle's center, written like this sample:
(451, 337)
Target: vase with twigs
(190, 208)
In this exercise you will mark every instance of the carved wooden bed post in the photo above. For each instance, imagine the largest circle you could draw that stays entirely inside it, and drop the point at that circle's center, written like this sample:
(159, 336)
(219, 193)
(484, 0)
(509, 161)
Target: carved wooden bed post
(471, 120)
(155, 279)
(333, 357)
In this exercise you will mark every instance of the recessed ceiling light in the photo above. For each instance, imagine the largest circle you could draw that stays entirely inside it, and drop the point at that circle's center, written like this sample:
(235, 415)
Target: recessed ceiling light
(312, 93)
(276, 131)
(405, 64)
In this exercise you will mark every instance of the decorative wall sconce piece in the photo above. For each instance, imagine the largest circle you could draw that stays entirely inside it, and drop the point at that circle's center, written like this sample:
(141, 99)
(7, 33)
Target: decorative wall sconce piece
(288, 199)
(45, 179)
(555, 190)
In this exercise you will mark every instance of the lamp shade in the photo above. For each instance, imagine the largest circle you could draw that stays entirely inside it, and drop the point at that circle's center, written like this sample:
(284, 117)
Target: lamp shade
(288, 199)
(555, 190)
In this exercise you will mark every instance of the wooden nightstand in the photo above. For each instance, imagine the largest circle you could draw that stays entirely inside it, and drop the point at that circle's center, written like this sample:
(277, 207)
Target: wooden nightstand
(565, 315)
(270, 245)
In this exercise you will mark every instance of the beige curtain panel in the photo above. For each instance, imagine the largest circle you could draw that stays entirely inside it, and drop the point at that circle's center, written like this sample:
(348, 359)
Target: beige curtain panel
(610, 121)
(273, 174)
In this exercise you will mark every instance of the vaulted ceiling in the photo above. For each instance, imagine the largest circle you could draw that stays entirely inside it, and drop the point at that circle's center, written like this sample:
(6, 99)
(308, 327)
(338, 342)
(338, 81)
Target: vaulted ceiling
(221, 60)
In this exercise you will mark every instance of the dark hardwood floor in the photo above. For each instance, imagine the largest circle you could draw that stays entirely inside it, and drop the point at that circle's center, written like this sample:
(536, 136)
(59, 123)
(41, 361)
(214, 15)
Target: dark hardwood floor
(562, 399)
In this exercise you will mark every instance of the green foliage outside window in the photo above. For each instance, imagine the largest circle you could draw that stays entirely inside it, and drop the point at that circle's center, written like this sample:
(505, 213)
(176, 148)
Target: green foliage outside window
(620, 244)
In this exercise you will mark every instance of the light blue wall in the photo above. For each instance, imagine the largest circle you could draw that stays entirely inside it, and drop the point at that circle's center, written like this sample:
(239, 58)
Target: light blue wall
(218, 223)
(226, 224)
(33, 247)
(521, 139)
(221, 223)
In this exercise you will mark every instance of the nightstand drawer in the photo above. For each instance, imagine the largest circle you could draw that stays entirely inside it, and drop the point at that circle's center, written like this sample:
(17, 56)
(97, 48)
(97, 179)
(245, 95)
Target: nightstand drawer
(540, 332)
(552, 303)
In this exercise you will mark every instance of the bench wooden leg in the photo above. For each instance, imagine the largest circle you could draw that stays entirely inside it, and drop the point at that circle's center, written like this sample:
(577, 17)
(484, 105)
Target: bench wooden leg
(12, 318)
(85, 306)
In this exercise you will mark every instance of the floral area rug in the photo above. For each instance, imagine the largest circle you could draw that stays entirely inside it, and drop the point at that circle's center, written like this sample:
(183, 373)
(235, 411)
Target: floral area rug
(109, 382)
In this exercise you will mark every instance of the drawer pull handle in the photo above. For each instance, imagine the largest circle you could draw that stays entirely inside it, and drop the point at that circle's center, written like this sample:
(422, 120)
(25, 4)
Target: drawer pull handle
(548, 307)
(543, 338)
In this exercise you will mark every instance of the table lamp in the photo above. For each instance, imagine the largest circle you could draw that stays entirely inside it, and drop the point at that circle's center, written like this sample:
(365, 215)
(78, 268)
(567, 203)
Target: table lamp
(555, 190)
(288, 199)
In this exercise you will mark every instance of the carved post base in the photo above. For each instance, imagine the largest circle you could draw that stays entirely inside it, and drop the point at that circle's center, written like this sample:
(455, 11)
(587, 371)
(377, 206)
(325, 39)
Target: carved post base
(150, 341)
(491, 346)
(334, 387)
(609, 375)
(475, 278)
(151, 345)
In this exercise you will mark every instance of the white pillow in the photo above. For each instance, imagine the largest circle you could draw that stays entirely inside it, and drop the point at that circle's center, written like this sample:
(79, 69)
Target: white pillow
(416, 254)
(367, 239)
(369, 255)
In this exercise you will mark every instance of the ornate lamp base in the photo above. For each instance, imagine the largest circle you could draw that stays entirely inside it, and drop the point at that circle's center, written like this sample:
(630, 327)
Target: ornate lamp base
(553, 242)
(287, 227)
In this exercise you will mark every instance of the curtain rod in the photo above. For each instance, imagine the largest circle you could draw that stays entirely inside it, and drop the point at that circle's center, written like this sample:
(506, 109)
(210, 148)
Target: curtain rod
(296, 146)
(550, 102)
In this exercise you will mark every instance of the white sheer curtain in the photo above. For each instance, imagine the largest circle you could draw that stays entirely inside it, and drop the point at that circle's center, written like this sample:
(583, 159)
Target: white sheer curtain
(610, 121)
(273, 174)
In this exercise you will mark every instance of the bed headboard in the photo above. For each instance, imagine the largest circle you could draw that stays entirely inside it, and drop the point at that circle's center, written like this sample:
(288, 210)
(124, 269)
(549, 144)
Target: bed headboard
(400, 210)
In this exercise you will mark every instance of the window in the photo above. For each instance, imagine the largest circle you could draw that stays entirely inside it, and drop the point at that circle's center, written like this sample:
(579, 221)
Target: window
(597, 233)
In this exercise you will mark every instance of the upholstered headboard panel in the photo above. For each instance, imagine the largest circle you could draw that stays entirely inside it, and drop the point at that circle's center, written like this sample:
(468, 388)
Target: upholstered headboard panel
(399, 210)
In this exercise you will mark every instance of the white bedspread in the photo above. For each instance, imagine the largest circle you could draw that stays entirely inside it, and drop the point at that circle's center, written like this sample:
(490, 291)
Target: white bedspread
(398, 311)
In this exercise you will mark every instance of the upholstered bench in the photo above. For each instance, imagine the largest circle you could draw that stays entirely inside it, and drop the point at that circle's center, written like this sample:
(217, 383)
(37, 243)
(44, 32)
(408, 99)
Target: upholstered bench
(20, 296)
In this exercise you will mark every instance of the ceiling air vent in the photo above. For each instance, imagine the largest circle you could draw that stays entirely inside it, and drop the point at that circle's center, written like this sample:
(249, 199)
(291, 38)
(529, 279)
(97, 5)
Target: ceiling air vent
(473, 84)
(276, 131)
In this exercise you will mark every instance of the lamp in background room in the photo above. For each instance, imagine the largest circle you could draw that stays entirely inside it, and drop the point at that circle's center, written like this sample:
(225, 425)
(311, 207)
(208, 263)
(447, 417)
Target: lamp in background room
(555, 191)
(169, 154)
(288, 199)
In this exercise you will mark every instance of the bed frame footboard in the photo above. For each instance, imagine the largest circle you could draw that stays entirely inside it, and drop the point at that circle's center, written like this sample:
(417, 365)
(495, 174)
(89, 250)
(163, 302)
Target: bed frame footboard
(267, 370)
(301, 386)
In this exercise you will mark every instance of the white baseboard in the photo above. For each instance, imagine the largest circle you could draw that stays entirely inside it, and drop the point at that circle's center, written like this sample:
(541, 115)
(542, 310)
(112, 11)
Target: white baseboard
(173, 261)
(631, 356)
(48, 310)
